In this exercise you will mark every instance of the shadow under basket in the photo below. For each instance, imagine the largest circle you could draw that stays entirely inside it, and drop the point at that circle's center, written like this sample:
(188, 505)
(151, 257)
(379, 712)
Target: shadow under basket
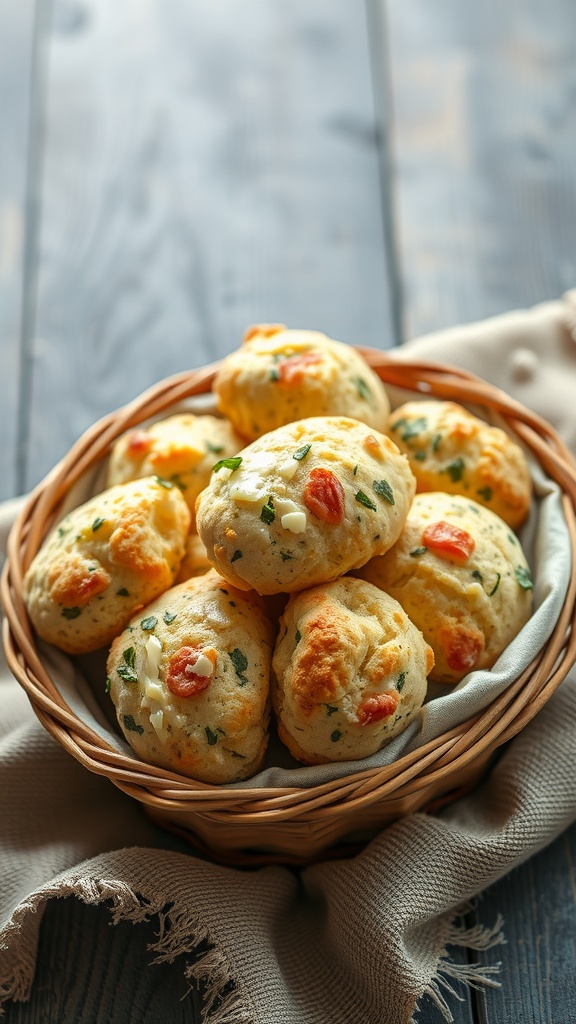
(293, 824)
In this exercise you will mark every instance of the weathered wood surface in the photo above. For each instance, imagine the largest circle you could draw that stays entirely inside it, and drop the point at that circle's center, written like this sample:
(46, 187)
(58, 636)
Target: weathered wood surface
(203, 166)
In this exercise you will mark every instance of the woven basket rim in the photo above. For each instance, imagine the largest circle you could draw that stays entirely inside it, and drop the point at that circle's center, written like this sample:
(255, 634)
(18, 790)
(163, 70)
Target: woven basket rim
(505, 716)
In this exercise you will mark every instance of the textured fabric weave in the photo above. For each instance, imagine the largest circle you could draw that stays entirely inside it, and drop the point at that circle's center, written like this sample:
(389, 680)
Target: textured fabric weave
(343, 940)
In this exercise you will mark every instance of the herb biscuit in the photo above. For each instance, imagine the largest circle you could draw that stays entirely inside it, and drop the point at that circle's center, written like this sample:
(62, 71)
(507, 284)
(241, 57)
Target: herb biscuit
(104, 560)
(349, 671)
(280, 375)
(190, 680)
(460, 574)
(180, 449)
(304, 504)
(451, 450)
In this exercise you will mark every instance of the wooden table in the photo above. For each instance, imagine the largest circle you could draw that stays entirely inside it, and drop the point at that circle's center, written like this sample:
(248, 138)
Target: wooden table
(171, 172)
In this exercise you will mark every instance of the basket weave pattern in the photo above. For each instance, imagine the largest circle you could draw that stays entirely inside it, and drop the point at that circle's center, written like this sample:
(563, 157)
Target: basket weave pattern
(292, 824)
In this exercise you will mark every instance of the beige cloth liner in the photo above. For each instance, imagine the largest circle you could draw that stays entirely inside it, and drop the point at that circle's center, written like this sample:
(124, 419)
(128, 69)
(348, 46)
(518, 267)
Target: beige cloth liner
(337, 942)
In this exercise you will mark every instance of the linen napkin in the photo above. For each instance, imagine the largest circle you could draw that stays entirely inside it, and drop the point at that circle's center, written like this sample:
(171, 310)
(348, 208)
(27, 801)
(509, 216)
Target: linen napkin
(350, 940)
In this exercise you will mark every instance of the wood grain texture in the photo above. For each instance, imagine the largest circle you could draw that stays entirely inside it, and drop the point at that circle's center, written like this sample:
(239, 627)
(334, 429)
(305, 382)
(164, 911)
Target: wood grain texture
(485, 151)
(206, 166)
(538, 903)
(17, 49)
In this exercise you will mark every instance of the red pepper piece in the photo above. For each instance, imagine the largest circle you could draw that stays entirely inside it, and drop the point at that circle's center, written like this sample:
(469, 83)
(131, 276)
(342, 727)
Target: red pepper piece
(324, 496)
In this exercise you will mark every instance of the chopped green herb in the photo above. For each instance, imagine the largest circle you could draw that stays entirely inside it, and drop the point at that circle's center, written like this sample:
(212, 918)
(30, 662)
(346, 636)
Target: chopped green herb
(418, 551)
(486, 493)
(400, 682)
(149, 622)
(523, 576)
(411, 427)
(127, 671)
(274, 374)
(335, 736)
(214, 448)
(237, 554)
(97, 523)
(286, 556)
(455, 469)
(268, 515)
(420, 456)
(62, 532)
(477, 575)
(129, 656)
(383, 489)
(107, 684)
(330, 708)
(212, 737)
(231, 463)
(240, 663)
(363, 499)
(363, 389)
(164, 483)
(496, 585)
(355, 470)
(298, 636)
(71, 613)
(131, 725)
(436, 442)
(123, 592)
(169, 617)
(302, 452)
(512, 538)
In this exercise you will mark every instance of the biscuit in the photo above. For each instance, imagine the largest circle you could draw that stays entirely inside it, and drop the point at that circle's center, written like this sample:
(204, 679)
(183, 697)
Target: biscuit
(304, 504)
(451, 450)
(190, 681)
(349, 671)
(106, 558)
(180, 449)
(280, 375)
(461, 576)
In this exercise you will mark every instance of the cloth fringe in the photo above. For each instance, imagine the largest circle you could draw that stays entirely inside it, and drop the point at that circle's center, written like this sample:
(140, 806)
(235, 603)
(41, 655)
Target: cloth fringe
(478, 938)
(179, 933)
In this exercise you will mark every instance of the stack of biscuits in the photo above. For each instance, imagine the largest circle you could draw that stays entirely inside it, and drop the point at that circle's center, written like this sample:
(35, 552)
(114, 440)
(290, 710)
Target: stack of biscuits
(304, 558)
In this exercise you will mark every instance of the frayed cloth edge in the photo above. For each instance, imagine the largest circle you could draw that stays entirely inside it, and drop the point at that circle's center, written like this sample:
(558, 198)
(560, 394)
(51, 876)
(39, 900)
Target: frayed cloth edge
(179, 933)
(478, 938)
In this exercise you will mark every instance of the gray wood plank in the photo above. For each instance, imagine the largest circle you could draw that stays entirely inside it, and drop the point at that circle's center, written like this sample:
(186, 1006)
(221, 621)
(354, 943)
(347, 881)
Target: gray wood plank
(485, 155)
(538, 903)
(17, 46)
(206, 166)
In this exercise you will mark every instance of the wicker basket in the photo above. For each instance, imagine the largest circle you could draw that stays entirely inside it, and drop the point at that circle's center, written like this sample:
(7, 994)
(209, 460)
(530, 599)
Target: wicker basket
(293, 824)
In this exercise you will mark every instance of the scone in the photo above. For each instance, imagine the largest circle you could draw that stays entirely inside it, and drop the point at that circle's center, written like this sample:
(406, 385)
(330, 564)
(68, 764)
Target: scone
(304, 504)
(190, 681)
(180, 449)
(460, 574)
(105, 559)
(349, 671)
(280, 375)
(451, 450)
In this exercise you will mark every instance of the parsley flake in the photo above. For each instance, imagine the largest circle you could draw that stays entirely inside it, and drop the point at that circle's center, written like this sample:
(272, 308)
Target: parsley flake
(127, 671)
(268, 514)
(400, 682)
(274, 373)
(420, 456)
(331, 709)
(240, 663)
(216, 449)
(436, 442)
(131, 725)
(355, 470)
(412, 428)
(123, 592)
(286, 556)
(383, 489)
(97, 523)
(298, 636)
(149, 623)
(164, 483)
(107, 684)
(231, 463)
(237, 554)
(71, 613)
(455, 469)
(486, 493)
(363, 389)
(496, 585)
(335, 736)
(169, 617)
(212, 737)
(523, 576)
(477, 575)
(302, 452)
(363, 499)
(417, 552)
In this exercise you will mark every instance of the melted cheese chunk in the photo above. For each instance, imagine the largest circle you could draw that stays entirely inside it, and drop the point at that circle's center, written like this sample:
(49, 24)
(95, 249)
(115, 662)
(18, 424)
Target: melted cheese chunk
(295, 522)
